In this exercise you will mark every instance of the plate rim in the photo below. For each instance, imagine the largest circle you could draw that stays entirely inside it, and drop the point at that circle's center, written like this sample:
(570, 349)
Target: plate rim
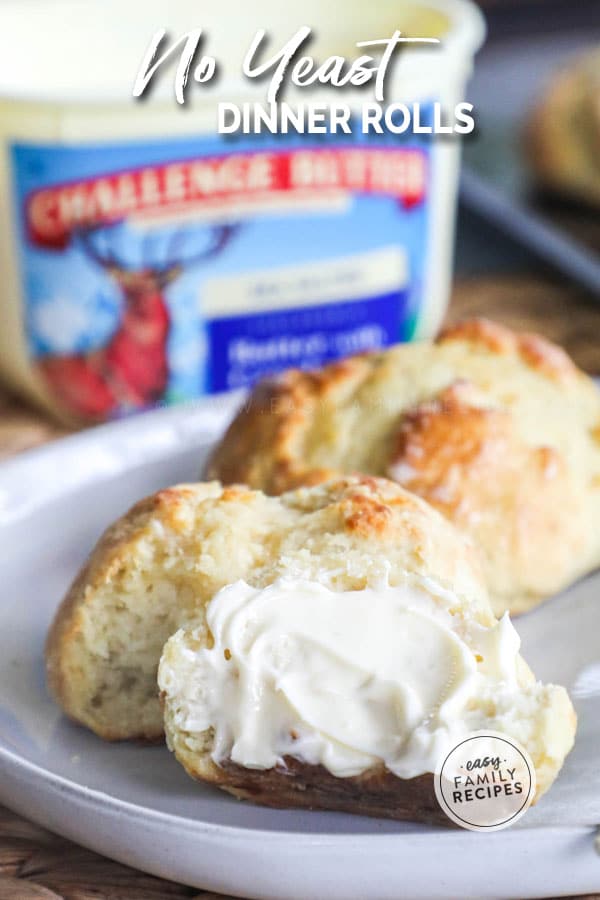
(194, 421)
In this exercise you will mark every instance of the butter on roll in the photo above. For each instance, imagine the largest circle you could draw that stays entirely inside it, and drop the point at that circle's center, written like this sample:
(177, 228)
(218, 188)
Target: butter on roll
(351, 681)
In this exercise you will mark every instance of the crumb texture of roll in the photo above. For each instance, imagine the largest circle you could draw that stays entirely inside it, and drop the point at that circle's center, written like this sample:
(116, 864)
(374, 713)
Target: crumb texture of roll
(156, 569)
(499, 431)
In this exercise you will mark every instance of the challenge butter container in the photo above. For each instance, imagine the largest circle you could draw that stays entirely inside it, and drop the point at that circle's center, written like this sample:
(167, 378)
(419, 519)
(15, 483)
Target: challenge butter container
(146, 259)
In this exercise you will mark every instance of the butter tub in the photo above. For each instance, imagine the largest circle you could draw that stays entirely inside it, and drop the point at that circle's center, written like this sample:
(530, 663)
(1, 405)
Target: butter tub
(148, 260)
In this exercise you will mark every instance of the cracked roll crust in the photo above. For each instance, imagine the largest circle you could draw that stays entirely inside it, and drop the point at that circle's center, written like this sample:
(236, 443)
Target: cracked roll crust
(499, 431)
(156, 569)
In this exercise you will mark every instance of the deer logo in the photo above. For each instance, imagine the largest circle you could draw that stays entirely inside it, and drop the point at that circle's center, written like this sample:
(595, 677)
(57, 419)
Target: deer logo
(131, 370)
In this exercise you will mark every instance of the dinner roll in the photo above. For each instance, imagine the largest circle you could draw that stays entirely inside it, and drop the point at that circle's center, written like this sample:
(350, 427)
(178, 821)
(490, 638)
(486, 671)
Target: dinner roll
(339, 674)
(562, 138)
(499, 431)
(156, 569)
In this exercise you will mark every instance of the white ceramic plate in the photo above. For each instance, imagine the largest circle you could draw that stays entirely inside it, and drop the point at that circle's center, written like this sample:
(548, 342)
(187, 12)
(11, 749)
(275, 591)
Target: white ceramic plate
(136, 805)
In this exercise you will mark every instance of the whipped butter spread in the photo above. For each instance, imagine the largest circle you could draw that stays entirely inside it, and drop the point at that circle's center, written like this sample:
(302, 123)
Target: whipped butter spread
(348, 680)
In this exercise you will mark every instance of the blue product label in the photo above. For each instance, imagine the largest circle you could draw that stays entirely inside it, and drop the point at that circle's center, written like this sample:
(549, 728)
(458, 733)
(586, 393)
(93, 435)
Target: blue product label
(245, 347)
(156, 271)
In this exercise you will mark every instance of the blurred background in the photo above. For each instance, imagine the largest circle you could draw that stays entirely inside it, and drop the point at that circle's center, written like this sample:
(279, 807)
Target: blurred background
(526, 252)
(527, 246)
(537, 53)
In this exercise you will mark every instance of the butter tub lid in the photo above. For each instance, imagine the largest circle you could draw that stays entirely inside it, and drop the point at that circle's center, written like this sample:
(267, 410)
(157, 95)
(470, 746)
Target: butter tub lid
(69, 52)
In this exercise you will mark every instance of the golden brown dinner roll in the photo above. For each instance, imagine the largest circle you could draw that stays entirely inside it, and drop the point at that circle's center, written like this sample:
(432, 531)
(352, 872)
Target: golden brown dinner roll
(563, 133)
(155, 570)
(337, 676)
(499, 431)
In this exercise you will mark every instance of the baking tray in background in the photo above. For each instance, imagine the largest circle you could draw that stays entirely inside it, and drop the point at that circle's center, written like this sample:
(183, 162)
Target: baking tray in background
(526, 45)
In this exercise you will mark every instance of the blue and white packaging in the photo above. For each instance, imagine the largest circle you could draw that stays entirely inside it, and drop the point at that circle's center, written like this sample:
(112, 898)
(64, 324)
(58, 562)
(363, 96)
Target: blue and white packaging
(149, 260)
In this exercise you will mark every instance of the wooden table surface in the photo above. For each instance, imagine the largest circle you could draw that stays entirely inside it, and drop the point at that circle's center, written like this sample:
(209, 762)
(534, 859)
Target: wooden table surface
(37, 864)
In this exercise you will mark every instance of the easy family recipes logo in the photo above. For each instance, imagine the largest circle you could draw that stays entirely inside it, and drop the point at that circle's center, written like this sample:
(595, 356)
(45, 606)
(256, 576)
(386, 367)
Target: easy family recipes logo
(292, 65)
(486, 782)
